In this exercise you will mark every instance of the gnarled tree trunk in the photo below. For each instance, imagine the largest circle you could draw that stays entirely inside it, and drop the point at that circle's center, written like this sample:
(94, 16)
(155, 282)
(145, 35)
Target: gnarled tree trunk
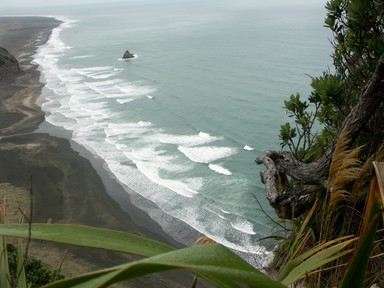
(296, 197)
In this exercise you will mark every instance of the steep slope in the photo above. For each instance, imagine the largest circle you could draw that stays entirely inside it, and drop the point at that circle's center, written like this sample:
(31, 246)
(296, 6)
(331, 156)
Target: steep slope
(8, 64)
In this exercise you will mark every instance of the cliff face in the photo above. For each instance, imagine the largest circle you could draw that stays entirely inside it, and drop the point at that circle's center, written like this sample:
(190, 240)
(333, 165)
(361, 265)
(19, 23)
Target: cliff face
(8, 64)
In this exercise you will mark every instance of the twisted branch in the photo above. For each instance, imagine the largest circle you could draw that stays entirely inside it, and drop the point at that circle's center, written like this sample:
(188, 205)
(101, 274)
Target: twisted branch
(310, 179)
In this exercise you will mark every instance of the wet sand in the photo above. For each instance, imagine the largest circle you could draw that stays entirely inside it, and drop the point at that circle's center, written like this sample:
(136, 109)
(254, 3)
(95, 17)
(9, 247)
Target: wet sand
(66, 187)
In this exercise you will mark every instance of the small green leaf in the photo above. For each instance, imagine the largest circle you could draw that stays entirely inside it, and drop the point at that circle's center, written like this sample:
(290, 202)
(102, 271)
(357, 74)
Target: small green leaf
(330, 21)
(287, 133)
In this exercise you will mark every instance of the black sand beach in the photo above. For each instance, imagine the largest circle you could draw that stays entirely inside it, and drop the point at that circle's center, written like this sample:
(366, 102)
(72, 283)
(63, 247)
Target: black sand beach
(66, 187)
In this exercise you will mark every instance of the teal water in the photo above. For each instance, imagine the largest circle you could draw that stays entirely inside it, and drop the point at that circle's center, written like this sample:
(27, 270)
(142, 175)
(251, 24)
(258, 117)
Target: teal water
(181, 123)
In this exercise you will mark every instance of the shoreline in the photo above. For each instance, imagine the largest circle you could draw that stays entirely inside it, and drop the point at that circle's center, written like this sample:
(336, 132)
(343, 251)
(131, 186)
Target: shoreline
(114, 189)
(69, 187)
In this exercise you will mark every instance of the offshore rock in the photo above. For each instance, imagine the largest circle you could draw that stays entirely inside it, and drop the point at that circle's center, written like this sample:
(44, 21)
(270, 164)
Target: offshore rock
(8, 64)
(128, 55)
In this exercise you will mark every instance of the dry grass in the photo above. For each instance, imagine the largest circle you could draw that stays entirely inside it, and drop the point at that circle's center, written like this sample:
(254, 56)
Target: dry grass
(344, 212)
(338, 207)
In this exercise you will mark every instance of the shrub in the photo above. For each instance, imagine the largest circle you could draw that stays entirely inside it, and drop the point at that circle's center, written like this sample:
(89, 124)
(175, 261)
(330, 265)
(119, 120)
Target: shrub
(37, 272)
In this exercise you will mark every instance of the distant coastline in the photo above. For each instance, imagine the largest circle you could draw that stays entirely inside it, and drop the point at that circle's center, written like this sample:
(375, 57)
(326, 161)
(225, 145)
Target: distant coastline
(67, 189)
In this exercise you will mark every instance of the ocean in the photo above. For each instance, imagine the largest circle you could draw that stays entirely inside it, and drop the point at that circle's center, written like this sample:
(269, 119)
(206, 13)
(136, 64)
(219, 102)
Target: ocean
(180, 125)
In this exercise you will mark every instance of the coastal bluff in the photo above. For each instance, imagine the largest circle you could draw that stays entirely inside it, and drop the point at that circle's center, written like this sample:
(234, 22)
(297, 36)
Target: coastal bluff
(8, 64)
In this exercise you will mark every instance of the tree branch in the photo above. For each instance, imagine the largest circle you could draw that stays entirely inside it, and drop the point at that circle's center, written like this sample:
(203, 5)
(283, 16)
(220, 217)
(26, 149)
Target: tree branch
(307, 180)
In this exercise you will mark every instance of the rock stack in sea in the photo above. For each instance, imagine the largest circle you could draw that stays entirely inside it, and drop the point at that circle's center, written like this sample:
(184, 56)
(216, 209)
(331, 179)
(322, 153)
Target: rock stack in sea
(128, 55)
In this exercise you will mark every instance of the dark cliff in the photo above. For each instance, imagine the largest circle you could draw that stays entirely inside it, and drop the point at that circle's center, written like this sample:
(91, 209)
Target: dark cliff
(8, 64)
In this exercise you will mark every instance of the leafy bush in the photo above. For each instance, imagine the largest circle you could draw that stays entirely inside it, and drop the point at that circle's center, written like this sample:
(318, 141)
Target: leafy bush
(37, 273)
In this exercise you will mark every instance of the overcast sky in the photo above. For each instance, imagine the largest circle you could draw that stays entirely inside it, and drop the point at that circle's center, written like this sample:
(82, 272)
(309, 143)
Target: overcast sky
(18, 3)
(49, 2)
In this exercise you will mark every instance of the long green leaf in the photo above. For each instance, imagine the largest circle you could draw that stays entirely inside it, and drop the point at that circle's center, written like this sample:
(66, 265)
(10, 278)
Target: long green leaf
(88, 236)
(4, 267)
(293, 264)
(316, 261)
(216, 264)
(299, 235)
(210, 261)
(355, 273)
(21, 277)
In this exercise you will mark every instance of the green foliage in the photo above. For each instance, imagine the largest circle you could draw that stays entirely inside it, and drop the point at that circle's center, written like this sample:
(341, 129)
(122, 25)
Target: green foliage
(19, 276)
(335, 233)
(89, 237)
(210, 261)
(287, 133)
(37, 273)
(304, 121)
(313, 259)
(358, 30)
(355, 273)
(4, 267)
(358, 38)
(328, 93)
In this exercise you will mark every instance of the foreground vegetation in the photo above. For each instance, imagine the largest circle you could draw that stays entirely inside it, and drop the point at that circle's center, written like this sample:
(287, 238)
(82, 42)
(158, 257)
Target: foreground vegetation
(209, 260)
(327, 188)
(37, 273)
(321, 185)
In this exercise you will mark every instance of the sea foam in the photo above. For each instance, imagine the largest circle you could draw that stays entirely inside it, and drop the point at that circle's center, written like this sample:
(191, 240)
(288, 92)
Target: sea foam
(82, 56)
(207, 154)
(188, 140)
(248, 148)
(243, 226)
(219, 169)
(142, 156)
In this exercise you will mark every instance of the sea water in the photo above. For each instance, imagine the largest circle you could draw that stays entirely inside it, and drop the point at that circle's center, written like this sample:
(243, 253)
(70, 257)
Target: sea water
(181, 123)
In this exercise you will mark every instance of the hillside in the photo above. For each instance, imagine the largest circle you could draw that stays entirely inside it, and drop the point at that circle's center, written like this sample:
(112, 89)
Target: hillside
(8, 64)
